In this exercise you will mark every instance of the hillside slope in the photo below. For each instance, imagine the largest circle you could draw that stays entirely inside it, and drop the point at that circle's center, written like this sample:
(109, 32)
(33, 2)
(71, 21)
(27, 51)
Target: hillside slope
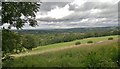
(65, 45)
(101, 54)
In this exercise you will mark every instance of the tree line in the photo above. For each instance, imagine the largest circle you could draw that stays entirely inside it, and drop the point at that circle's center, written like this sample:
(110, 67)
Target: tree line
(13, 42)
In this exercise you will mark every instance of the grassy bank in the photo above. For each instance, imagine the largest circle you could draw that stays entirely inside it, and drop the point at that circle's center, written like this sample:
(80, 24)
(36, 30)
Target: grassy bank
(102, 54)
(40, 49)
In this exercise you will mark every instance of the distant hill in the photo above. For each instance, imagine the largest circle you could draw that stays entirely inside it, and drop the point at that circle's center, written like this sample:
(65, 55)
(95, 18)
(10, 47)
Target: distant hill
(72, 30)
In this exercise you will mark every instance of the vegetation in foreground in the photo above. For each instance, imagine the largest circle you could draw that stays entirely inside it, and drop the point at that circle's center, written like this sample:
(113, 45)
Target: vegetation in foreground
(96, 55)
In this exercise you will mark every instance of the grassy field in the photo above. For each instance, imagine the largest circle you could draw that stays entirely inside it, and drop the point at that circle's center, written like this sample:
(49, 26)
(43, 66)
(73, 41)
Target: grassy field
(83, 41)
(103, 54)
(42, 49)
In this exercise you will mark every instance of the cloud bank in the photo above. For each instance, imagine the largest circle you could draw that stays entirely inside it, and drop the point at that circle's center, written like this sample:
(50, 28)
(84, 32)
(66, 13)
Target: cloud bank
(77, 14)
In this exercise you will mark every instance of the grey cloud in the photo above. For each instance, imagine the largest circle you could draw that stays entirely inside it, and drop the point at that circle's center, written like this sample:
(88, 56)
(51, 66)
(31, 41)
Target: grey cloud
(77, 25)
(90, 5)
(47, 6)
(107, 11)
(74, 20)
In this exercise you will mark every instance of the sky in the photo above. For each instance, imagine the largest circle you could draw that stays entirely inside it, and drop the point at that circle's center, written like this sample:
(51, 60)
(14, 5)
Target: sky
(64, 14)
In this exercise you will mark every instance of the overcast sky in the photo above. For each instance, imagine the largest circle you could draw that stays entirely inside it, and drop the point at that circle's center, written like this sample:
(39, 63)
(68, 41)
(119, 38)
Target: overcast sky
(76, 14)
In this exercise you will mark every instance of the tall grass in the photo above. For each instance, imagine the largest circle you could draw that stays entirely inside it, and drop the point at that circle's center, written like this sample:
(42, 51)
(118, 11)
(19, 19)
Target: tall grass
(99, 55)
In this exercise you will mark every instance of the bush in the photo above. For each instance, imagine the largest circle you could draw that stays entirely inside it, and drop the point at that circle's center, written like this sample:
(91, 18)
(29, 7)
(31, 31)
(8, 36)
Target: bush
(110, 38)
(90, 42)
(29, 42)
(10, 41)
(78, 43)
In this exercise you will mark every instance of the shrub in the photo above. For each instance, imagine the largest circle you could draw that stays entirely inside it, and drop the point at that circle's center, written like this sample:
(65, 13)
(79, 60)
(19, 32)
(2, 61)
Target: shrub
(78, 43)
(10, 41)
(29, 42)
(90, 42)
(110, 38)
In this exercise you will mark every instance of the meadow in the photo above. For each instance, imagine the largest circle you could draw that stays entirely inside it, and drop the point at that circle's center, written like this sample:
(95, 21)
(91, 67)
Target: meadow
(102, 53)
(63, 45)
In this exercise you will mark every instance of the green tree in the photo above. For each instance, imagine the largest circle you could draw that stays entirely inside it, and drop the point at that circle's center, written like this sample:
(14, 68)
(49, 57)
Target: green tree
(12, 12)
(10, 41)
(29, 42)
